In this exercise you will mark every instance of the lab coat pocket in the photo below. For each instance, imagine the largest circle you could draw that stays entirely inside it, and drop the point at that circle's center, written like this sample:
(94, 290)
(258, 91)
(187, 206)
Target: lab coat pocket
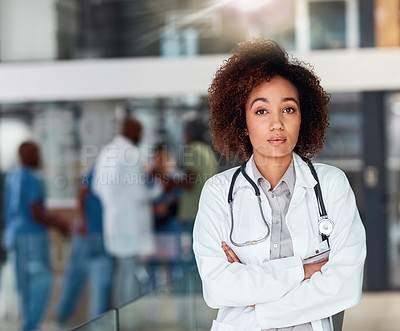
(218, 326)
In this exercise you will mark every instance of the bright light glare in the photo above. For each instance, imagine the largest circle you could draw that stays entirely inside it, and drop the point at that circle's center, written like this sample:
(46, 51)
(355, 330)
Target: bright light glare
(12, 134)
(249, 5)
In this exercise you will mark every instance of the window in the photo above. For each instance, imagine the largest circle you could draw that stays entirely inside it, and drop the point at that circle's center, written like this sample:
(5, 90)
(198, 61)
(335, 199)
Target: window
(326, 24)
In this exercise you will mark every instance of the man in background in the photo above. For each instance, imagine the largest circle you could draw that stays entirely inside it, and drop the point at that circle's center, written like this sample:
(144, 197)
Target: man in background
(121, 184)
(199, 164)
(26, 234)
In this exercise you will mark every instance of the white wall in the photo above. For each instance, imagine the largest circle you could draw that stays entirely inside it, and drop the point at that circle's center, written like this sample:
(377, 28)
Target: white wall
(340, 71)
(28, 30)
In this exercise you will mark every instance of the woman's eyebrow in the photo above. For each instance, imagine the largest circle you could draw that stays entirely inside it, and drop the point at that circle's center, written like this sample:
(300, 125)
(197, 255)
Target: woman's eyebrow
(291, 99)
(265, 100)
(258, 99)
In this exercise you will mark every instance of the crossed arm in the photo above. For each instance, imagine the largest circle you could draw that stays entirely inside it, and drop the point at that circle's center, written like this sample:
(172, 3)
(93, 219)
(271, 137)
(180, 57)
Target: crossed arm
(284, 291)
(309, 269)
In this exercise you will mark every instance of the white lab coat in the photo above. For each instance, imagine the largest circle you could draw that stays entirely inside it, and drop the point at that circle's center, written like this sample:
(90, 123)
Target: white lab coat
(120, 183)
(276, 287)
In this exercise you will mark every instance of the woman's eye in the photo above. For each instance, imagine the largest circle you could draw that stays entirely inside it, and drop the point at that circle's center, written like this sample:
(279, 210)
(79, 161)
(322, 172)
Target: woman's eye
(261, 112)
(289, 110)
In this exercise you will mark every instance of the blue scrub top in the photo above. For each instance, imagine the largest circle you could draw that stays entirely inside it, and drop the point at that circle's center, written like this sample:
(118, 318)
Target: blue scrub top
(22, 188)
(93, 208)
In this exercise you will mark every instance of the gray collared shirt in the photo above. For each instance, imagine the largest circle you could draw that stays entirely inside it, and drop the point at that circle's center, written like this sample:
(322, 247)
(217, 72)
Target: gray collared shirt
(279, 200)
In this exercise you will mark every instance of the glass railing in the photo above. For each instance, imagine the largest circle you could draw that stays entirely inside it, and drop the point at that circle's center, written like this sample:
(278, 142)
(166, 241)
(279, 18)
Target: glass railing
(168, 296)
(107, 321)
(177, 306)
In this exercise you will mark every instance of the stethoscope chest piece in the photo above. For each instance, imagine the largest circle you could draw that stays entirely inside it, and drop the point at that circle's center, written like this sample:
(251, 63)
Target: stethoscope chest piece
(325, 226)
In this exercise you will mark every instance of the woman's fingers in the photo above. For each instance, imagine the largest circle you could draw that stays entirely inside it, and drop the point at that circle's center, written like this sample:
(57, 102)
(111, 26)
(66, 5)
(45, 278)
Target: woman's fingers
(230, 254)
(310, 269)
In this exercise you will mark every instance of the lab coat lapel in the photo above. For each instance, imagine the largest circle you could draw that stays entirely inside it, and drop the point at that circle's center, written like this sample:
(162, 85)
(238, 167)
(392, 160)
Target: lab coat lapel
(304, 181)
(301, 211)
(241, 180)
(249, 170)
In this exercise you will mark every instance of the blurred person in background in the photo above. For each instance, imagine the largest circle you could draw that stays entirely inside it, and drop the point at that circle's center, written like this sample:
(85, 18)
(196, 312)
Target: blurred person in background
(199, 164)
(9, 307)
(2, 221)
(26, 234)
(121, 184)
(88, 262)
(165, 209)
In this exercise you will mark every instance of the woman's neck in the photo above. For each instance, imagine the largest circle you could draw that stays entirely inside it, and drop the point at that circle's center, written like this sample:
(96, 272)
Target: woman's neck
(272, 168)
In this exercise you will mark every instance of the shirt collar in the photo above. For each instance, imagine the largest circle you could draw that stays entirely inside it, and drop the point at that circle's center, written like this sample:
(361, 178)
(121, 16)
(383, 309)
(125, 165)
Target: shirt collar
(289, 177)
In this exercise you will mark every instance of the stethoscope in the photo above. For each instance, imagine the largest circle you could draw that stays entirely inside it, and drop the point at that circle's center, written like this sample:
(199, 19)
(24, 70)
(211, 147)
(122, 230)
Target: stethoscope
(325, 225)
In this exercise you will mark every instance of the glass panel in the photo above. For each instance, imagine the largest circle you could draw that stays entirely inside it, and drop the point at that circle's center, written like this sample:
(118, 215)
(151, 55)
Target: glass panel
(68, 134)
(344, 135)
(327, 24)
(176, 306)
(393, 154)
(108, 321)
(343, 147)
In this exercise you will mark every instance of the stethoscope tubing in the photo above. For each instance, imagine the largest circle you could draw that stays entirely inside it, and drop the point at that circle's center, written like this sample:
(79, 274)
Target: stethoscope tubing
(325, 225)
(242, 169)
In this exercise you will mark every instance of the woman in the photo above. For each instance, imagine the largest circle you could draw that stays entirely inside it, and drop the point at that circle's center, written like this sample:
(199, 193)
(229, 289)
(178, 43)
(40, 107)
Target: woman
(251, 253)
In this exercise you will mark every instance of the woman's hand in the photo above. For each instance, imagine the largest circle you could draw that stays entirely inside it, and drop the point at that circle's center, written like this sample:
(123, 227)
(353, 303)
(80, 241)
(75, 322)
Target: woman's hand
(311, 269)
(232, 257)
(230, 254)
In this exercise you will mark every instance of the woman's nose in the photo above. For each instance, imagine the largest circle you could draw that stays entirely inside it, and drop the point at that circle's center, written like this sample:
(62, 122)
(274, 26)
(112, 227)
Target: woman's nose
(276, 122)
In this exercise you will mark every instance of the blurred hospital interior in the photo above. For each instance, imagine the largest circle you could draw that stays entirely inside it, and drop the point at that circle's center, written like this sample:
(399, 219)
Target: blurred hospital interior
(71, 70)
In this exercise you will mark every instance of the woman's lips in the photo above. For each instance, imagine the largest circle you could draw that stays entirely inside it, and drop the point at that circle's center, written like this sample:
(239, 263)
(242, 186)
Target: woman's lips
(276, 140)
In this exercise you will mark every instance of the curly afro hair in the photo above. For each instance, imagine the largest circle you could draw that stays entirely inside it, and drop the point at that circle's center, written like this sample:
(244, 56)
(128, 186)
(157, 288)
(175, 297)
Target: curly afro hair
(252, 63)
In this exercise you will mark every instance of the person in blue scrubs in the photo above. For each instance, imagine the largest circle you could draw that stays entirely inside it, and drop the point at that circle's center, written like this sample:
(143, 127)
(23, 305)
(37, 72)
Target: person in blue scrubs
(88, 259)
(26, 233)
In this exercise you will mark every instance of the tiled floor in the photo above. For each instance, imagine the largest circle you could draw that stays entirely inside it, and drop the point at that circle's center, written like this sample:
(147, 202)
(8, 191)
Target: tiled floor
(378, 311)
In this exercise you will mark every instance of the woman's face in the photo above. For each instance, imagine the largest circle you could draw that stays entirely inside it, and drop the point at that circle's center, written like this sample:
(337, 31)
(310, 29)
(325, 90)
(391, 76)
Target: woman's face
(273, 120)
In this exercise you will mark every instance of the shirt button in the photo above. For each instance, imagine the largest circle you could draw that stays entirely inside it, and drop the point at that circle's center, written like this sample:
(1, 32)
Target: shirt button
(272, 195)
(275, 245)
(276, 221)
